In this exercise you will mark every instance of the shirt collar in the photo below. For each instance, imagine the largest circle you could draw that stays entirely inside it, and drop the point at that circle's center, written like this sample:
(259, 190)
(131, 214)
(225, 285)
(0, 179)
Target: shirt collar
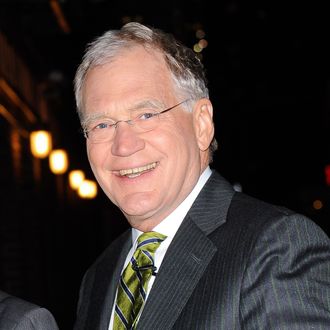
(172, 222)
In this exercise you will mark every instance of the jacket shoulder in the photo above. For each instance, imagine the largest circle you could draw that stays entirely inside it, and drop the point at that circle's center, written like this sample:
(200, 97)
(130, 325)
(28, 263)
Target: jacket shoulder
(16, 313)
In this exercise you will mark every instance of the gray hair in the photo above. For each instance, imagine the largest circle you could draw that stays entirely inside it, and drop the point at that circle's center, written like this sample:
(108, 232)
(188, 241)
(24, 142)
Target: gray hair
(186, 68)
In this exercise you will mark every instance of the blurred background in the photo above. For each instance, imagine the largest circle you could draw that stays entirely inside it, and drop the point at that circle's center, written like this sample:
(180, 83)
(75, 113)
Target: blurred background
(269, 80)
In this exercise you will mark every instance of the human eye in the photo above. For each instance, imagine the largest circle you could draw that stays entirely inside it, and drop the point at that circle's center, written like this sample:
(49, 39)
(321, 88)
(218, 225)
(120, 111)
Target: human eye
(147, 115)
(102, 125)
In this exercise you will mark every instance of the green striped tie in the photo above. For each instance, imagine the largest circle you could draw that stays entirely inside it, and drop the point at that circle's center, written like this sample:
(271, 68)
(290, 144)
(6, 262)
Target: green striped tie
(133, 284)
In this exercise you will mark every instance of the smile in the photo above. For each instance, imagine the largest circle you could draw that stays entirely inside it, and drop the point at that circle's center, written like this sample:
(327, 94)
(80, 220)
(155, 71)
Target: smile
(134, 172)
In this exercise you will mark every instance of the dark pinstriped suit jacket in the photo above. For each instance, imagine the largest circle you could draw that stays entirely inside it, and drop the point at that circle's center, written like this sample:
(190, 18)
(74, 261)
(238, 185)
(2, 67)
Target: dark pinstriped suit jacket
(235, 263)
(18, 314)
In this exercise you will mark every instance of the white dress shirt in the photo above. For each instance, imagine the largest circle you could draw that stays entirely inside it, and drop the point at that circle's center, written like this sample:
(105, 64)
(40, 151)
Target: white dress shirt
(168, 227)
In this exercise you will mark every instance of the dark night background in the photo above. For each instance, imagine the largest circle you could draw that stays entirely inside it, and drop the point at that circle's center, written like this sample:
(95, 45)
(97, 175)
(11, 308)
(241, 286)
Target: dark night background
(269, 80)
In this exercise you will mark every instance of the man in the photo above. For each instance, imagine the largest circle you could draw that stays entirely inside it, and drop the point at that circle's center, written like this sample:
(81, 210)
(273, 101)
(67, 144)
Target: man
(220, 259)
(18, 314)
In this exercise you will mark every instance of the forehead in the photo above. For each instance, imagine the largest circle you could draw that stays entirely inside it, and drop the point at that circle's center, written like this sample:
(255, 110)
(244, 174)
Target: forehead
(134, 110)
(136, 74)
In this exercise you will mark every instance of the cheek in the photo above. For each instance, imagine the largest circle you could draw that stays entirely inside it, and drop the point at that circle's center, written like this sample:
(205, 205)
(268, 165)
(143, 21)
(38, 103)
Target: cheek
(166, 142)
(179, 147)
(186, 140)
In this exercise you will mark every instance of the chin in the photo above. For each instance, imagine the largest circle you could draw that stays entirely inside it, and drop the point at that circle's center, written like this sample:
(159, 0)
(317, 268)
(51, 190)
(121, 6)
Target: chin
(138, 210)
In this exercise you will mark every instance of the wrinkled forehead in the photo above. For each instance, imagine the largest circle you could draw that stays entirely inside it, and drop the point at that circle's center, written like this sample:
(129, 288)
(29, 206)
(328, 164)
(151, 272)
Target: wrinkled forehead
(128, 112)
(137, 76)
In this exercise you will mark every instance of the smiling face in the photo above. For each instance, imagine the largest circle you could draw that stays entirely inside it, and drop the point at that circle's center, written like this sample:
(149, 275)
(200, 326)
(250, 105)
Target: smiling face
(146, 174)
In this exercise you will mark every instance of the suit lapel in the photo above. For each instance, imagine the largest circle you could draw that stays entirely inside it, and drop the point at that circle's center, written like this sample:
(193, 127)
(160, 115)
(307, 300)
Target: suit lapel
(187, 257)
(182, 267)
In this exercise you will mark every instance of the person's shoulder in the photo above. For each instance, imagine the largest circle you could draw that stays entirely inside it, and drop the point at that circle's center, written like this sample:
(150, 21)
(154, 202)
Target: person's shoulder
(19, 314)
(260, 207)
(37, 318)
(109, 255)
(115, 246)
(261, 216)
(12, 306)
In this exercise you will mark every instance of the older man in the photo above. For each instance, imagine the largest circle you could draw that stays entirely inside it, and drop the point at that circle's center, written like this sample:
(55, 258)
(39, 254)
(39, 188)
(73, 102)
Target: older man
(198, 255)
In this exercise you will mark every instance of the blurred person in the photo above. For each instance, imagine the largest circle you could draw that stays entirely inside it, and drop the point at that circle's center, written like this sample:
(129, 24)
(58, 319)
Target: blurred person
(198, 254)
(19, 314)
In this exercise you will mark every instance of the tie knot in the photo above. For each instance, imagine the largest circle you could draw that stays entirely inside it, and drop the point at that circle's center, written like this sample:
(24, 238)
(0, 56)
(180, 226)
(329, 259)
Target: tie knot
(150, 241)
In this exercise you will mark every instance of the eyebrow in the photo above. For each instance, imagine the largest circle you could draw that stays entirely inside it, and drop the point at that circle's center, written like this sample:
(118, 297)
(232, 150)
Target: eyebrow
(153, 103)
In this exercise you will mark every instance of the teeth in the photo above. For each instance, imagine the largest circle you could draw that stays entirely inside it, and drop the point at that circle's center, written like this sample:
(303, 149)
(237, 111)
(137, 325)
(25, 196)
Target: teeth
(137, 170)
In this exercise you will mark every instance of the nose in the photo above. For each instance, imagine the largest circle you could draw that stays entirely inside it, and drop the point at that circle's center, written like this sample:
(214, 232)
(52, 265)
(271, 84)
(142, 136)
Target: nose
(126, 141)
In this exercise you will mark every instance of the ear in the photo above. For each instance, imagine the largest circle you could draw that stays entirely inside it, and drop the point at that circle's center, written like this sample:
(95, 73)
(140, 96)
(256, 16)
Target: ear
(203, 123)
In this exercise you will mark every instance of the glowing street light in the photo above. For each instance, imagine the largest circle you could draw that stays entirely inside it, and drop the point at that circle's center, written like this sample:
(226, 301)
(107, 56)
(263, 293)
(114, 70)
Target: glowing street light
(58, 161)
(76, 177)
(40, 143)
(87, 189)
